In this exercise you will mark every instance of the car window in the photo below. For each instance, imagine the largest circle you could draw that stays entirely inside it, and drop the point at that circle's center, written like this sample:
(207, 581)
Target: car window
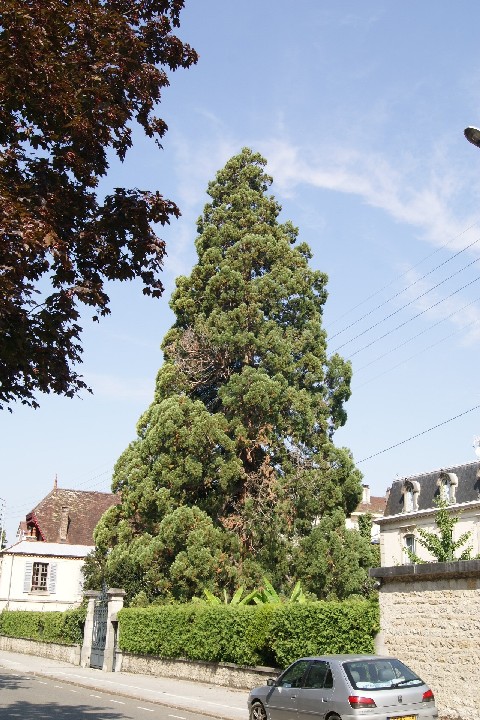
(380, 673)
(319, 675)
(292, 677)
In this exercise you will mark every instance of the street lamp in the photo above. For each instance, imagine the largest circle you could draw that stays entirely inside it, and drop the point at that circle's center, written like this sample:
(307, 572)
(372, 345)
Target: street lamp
(473, 135)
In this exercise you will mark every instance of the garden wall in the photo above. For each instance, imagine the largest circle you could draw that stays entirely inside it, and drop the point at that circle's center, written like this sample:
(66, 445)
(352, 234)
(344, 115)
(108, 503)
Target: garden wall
(55, 651)
(223, 674)
(430, 619)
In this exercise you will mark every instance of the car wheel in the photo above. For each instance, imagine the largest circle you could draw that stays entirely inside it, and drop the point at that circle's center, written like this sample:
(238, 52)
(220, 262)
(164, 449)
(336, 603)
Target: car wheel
(257, 711)
(334, 716)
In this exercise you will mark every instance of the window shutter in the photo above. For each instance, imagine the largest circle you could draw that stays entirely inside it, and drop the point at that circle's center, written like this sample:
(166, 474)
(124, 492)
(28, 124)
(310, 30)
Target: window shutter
(52, 581)
(27, 578)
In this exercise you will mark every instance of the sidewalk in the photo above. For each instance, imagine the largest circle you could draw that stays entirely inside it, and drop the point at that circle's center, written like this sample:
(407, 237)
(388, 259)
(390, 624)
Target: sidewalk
(198, 697)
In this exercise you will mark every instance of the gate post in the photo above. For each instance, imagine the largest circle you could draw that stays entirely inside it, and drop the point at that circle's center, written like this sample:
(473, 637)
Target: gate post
(86, 651)
(115, 603)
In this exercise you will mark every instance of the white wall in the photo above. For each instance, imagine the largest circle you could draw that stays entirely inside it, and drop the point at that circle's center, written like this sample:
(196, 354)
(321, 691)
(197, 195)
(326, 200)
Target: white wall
(394, 529)
(67, 591)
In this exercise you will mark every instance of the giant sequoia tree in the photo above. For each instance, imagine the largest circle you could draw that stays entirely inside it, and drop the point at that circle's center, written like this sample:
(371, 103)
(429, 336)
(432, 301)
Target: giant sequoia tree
(234, 462)
(73, 77)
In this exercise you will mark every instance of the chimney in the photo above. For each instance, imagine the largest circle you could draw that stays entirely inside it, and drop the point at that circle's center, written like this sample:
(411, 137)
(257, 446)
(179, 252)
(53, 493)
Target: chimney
(64, 522)
(55, 483)
(366, 494)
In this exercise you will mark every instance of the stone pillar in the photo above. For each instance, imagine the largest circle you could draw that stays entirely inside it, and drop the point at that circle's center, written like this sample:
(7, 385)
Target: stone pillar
(115, 603)
(92, 595)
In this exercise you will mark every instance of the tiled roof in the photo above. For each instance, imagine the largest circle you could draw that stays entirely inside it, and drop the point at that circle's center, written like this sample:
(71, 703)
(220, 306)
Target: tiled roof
(468, 489)
(376, 506)
(70, 516)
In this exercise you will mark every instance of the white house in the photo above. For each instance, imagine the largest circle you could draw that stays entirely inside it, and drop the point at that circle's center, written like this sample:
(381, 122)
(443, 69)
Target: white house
(411, 506)
(369, 505)
(42, 576)
(43, 570)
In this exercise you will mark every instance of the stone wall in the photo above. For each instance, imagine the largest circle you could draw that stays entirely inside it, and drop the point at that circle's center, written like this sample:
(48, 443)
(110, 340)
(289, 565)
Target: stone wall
(430, 619)
(224, 674)
(64, 653)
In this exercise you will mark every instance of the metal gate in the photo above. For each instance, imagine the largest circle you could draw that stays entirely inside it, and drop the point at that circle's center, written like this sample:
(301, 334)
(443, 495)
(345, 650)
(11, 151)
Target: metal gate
(99, 636)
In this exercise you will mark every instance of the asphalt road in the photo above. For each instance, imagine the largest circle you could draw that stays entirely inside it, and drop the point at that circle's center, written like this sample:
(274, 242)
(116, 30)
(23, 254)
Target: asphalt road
(26, 697)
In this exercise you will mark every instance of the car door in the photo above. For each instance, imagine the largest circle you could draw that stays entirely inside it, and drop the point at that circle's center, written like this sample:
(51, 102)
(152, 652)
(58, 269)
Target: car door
(283, 697)
(315, 697)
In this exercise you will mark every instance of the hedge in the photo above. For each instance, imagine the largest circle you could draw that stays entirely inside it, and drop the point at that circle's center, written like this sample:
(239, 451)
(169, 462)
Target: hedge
(272, 635)
(65, 628)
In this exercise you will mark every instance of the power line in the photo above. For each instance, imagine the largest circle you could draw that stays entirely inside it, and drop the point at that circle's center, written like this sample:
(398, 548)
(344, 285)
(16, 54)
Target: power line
(422, 312)
(16, 510)
(403, 362)
(413, 437)
(395, 312)
(407, 287)
(412, 267)
(417, 335)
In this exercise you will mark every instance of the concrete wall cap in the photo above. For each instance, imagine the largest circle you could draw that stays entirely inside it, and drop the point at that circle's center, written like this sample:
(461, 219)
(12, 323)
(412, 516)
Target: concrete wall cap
(460, 568)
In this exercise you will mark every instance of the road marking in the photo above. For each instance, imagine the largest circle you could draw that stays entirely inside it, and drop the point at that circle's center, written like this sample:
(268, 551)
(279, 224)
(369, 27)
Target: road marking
(139, 707)
(180, 717)
(97, 696)
(60, 687)
(41, 682)
(119, 702)
(73, 690)
(160, 693)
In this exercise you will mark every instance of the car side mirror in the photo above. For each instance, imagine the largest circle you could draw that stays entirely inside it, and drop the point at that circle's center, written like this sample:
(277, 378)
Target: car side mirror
(271, 682)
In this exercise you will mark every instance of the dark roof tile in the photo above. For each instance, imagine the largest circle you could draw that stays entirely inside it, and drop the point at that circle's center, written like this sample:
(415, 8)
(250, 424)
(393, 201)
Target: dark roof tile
(468, 488)
(70, 516)
(376, 506)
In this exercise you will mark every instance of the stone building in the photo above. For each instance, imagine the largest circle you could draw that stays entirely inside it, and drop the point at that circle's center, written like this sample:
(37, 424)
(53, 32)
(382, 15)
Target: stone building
(411, 506)
(429, 611)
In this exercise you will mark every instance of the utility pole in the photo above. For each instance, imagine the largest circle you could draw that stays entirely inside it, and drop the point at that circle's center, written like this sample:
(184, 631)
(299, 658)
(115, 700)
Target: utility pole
(2, 521)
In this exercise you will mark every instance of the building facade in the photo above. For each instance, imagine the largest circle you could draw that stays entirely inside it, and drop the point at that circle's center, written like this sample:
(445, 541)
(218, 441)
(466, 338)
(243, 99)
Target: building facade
(411, 506)
(43, 570)
(371, 505)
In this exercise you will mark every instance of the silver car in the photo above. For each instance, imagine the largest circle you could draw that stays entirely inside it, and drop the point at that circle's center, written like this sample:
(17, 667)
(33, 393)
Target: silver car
(346, 687)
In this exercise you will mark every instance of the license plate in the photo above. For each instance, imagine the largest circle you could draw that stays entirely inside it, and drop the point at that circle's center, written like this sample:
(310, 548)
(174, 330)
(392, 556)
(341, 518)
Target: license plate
(402, 717)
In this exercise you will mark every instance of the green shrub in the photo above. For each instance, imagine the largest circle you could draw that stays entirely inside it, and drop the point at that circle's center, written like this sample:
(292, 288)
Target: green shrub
(270, 634)
(65, 628)
(324, 628)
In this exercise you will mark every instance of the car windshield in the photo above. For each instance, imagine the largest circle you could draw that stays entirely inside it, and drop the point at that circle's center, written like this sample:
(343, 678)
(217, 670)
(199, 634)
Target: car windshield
(380, 673)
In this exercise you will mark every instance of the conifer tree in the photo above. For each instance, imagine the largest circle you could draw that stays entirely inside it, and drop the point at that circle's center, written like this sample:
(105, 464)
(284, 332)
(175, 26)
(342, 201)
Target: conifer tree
(234, 461)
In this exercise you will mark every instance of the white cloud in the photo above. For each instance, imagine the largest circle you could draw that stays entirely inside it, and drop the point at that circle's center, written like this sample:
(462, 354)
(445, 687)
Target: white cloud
(398, 191)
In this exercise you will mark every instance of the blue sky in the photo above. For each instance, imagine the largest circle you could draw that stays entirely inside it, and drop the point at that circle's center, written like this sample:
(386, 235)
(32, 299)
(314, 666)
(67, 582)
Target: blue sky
(359, 109)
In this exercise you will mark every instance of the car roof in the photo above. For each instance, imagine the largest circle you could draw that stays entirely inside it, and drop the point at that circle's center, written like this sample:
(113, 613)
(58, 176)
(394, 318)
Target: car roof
(349, 657)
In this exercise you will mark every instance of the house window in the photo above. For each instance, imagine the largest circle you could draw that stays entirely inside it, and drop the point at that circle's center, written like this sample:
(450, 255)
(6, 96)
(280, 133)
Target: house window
(411, 492)
(408, 499)
(447, 485)
(409, 545)
(39, 576)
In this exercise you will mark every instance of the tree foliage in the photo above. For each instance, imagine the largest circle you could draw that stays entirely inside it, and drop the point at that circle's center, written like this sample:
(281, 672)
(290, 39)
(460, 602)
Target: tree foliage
(234, 461)
(73, 77)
